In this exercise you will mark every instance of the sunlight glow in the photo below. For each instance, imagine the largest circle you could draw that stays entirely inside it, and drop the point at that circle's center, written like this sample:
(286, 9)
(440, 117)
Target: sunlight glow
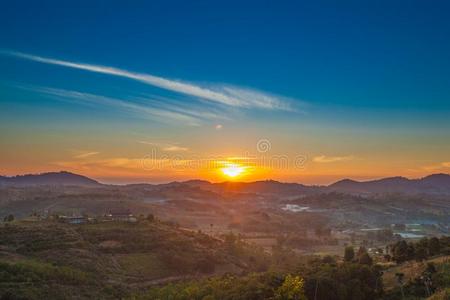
(232, 170)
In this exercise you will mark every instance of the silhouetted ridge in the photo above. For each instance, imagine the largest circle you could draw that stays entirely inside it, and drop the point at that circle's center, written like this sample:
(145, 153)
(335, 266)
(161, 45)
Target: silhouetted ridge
(436, 183)
(51, 178)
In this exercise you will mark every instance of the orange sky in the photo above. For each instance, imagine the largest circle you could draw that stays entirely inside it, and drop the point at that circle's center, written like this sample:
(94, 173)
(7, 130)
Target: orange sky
(179, 164)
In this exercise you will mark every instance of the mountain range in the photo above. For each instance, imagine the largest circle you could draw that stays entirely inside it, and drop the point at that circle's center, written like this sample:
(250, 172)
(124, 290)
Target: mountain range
(435, 183)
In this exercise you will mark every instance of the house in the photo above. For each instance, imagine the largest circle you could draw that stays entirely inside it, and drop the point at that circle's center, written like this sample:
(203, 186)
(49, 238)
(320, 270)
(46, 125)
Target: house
(121, 215)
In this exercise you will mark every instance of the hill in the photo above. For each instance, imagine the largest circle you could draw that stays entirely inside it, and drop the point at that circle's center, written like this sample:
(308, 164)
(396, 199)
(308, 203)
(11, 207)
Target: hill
(432, 184)
(51, 178)
(47, 259)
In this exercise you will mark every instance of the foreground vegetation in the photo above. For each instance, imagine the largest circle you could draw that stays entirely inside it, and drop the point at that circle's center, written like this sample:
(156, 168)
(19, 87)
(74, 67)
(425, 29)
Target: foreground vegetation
(324, 280)
(151, 259)
(108, 260)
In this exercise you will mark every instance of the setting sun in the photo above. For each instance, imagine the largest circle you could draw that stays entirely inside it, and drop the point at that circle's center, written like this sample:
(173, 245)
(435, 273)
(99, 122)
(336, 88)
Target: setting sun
(232, 170)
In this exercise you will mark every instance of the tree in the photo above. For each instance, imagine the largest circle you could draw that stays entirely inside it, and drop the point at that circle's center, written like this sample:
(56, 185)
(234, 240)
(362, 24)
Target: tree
(411, 251)
(344, 281)
(349, 253)
(420, 253)
(365, 259)
(434, 246)
(291, 289)
(361, 251)
(8, 218)
(400, 251)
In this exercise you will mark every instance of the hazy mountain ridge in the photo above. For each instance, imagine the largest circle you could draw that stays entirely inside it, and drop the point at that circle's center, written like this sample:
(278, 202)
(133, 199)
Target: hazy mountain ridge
(198, 204)
(264, 187)
(435, 183)
(51, 178)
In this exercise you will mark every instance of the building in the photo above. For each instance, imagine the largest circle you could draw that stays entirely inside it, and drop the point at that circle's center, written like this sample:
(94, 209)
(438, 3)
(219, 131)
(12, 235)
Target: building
(121, 215)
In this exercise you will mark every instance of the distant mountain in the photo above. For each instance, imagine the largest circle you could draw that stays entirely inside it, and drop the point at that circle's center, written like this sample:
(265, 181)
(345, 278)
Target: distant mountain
(437, 180)
(256, 187)
(51, 178)
(436, 183)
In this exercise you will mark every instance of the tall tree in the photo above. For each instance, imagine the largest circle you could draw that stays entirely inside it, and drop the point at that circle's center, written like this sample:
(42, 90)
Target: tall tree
(349, 253)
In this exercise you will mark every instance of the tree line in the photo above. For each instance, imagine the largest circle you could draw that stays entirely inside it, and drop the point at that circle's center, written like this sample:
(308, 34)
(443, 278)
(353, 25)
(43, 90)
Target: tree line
(403, 251)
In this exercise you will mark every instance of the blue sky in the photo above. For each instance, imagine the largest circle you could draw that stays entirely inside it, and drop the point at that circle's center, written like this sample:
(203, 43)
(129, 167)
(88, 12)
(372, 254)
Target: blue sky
(321, 69)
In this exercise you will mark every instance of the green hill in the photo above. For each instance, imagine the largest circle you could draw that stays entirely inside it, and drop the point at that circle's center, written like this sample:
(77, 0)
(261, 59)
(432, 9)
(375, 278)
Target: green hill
(48, 259)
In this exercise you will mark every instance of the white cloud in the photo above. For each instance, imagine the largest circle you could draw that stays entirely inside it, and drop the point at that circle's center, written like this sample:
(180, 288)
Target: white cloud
(223, 94)
(160, 114)
(174, 148)
(331, 159)
(165, 146)
(86, 154)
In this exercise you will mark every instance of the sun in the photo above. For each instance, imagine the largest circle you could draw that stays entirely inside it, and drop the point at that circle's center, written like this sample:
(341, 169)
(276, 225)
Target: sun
(232, 170)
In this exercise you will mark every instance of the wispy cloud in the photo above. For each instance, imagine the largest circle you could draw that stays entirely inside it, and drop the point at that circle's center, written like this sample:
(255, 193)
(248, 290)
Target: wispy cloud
(86, 154)
(223, 94)
(135, 165)
(102, 164)
(165, 146)
(436, 167)
(331, 159)
(143, 111)
(174, 148)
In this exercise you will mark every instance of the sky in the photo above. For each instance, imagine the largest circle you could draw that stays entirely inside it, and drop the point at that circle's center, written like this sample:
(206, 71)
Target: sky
(156, 91)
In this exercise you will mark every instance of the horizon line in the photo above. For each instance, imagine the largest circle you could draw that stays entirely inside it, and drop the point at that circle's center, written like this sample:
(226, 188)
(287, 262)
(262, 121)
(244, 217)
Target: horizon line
(219, 182)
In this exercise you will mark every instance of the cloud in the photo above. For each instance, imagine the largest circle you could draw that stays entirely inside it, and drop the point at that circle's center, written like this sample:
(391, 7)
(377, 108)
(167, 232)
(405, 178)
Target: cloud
(86, 154)
(219, 126)
(143, 111)
(331, 159)
(138, 165)
(223, 94)
(166, 147)
(439, 166)
(113, 163)
(175, 148)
